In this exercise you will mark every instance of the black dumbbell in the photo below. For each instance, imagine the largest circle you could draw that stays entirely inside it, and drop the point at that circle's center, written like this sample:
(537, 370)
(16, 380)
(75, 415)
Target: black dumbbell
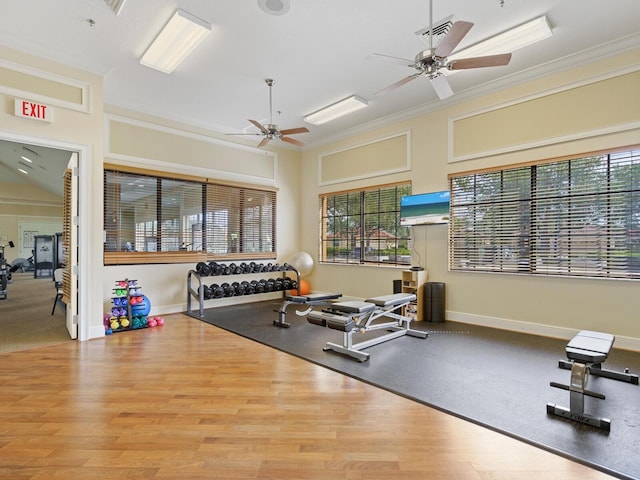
(216, 291)
(206, 292)
(203, 269)
(216, 268)
(228, 289)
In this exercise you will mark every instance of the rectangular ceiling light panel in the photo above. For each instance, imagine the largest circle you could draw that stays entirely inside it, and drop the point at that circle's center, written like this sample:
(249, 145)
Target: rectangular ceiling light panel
(115, 5)
(513, 39)
(336, 110)
(179, 37)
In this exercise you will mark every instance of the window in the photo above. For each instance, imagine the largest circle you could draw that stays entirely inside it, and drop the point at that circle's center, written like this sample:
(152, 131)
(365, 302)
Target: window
(363, 227)
(578, 217)
(154, 219)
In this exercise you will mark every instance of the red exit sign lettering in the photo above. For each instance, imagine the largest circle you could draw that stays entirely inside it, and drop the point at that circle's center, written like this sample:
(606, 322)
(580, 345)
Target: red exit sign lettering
(29, 109)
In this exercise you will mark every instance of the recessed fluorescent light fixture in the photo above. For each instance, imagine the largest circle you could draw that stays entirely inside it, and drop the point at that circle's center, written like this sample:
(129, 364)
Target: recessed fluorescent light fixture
(23, 171)
(179, 37)
(513, 39)
(26, 159)
(336, 110)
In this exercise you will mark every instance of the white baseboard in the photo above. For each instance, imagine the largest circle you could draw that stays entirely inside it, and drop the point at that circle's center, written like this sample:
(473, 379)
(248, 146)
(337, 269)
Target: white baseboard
(622, 342)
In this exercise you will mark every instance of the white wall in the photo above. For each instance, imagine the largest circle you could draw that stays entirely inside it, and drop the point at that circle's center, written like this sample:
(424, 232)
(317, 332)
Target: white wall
(545, 305)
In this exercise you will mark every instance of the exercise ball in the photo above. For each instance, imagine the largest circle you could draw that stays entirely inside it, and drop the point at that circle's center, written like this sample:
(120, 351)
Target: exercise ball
(142, 307)
(302, 262)
(305, 289)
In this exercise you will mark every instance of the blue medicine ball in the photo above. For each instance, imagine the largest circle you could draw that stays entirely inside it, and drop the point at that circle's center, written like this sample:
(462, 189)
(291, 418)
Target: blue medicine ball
(142, 308)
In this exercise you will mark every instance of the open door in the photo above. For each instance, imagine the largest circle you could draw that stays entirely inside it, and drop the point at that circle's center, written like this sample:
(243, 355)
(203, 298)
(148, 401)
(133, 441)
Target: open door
(69, 242)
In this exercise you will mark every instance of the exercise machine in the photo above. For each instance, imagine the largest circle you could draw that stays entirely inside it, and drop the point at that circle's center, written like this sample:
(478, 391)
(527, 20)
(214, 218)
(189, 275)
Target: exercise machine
(5, 272)
(586, 352)
(310, 301)
(357, 317)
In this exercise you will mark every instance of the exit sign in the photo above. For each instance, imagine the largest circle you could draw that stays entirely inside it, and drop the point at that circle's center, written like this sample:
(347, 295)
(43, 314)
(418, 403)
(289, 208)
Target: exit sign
(29, 109)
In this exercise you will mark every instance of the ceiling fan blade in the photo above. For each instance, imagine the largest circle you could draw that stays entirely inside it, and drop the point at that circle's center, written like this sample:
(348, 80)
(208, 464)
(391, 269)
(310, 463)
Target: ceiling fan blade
(479, 62)
(452, 38)
(441, 86)
(263, 142)
(398, 84)
(391, 59)
(291, 131)
(242, 134)
(257, 124)
(293, 141)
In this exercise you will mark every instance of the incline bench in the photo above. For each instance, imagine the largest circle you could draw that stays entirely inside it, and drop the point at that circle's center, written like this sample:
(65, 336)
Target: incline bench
(586, 352)
(358, 317)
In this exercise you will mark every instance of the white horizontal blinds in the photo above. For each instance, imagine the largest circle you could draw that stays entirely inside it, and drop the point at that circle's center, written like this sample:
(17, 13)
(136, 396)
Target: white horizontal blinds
(128, 199)
(180, 217)
(363, 226)
(384, 240)
(240, 220)
(489, 228)
(67, 225)
(257, 225)
(342, 221)
(578, 217)
(156, 219)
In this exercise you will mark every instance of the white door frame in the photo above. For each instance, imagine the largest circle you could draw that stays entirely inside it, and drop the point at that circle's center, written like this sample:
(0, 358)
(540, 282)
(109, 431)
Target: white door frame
(82, 299)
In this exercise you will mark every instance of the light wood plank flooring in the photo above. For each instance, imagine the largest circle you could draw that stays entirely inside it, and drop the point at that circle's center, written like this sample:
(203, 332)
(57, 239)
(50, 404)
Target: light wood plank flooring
(191, 401)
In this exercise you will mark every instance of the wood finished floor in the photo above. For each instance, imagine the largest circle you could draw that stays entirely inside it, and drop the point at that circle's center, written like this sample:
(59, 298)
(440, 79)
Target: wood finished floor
(191, 401)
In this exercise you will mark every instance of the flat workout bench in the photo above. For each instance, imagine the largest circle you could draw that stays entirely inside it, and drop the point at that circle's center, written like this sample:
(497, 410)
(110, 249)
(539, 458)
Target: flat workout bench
(358, 317)
(310, 300)
(586, 352)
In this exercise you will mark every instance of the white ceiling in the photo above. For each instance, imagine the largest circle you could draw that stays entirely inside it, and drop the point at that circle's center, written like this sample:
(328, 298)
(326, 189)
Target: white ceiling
(316, 52)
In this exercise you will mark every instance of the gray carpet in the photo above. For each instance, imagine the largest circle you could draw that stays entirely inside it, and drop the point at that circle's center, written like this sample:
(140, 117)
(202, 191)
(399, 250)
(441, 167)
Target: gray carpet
(25, 315)
(495, 378)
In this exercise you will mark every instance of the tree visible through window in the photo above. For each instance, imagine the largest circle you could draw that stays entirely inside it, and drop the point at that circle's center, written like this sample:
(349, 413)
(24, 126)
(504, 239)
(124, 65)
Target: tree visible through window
(364, 227)
(578, 217)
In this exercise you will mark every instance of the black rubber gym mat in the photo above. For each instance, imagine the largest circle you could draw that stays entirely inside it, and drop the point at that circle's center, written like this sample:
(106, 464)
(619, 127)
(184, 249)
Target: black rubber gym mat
(495, 378)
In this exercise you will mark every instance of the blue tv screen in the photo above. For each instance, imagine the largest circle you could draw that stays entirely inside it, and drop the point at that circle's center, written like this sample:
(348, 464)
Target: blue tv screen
(424, 209)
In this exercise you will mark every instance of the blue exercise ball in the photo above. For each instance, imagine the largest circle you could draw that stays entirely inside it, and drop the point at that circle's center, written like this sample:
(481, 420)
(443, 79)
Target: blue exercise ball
(141, 308)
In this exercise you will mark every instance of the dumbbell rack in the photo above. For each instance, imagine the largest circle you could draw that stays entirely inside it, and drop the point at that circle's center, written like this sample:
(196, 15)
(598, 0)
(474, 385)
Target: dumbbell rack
(128, 285)
(199, 295)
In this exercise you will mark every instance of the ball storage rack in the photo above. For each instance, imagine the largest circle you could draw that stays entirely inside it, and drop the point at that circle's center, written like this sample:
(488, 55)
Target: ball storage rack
(126, 294)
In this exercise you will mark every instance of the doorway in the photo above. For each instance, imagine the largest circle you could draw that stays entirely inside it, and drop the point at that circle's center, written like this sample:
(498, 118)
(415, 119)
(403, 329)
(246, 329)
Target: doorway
(40, 188)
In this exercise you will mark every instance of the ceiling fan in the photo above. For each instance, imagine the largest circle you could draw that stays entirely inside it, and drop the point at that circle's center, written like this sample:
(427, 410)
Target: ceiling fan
(271, 131)
(433, 61)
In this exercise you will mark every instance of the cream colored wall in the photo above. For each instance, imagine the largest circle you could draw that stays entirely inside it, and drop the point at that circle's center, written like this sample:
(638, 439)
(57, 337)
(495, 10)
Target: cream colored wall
(207, 154)
(73, 125)
(544, 305)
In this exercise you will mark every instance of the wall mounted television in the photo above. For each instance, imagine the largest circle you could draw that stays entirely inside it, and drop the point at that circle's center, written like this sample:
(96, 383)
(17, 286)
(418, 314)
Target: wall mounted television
(424, 209)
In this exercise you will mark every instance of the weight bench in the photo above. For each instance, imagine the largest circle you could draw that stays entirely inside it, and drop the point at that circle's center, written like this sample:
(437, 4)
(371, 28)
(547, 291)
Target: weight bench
(310, 300)
(586, 352)
(359, 317)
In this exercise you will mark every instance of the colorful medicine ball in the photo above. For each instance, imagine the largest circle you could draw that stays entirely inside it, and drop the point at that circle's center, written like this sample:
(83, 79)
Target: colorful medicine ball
(141, 308)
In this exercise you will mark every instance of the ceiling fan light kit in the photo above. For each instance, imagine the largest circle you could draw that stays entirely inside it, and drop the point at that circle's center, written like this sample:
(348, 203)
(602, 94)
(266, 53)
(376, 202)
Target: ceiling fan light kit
(175, 42)
(336, 110)
(274, 7)
(271, 131)
(440, 58)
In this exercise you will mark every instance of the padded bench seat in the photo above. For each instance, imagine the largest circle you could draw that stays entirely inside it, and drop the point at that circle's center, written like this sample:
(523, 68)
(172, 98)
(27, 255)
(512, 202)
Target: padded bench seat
(312, 297)
(343, 318)
(590, 347)
(391, 300)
